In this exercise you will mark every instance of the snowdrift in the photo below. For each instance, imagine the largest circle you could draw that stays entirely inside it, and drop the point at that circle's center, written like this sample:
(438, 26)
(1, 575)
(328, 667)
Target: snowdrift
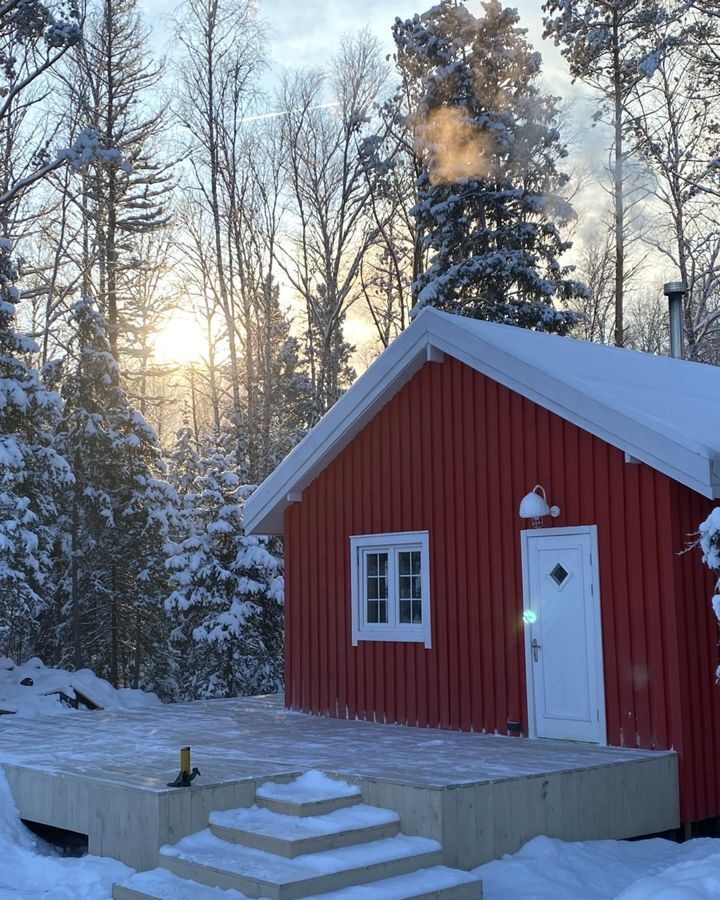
(32, 689)
(654, 869)
(31, 869)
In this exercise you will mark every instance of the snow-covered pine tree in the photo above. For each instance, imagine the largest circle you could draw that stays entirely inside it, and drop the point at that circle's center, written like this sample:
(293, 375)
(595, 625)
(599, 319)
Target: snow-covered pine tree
(184, 463)
(490, 206)
(32, 475)
(227, 602)
(116, 519)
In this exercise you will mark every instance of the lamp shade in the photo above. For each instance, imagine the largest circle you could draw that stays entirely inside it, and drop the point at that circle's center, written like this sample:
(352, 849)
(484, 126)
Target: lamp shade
(534, 505)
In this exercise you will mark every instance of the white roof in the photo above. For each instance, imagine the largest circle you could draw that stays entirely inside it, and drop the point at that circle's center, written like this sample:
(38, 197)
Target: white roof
(662, 411)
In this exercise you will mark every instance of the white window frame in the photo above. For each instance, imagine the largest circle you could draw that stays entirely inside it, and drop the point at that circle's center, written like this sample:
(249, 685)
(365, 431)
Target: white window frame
(393, 630)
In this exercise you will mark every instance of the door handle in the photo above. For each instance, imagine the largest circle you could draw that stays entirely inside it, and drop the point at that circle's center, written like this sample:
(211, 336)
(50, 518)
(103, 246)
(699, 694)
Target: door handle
(535, 647)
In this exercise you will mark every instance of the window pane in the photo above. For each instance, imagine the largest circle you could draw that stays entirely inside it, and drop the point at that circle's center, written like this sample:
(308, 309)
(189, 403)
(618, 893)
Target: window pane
(391, 583)
(415, 562)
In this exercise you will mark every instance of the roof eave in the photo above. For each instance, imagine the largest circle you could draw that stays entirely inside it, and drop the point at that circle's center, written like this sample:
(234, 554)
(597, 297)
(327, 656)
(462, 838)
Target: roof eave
(676, 460)
(429, 335)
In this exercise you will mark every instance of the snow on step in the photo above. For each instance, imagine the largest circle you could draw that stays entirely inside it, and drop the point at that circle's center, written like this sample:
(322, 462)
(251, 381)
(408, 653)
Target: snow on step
(310, 787)
(159, 884)
(204, 857)
(312, 793)
(424, 884)
(294, 835)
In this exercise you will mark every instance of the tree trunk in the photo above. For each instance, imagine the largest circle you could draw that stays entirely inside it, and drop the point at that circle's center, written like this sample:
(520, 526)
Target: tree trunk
(114, 631)
(110, 235)
(618, 190)
(138, 649)
(74, 581)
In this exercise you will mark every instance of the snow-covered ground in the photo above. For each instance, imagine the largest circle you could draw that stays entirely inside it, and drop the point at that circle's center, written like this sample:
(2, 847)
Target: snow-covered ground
(49, 692)
(549, 869)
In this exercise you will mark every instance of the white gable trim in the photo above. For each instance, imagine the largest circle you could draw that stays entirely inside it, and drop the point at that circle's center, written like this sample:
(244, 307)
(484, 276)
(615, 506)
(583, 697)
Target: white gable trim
(431, 335)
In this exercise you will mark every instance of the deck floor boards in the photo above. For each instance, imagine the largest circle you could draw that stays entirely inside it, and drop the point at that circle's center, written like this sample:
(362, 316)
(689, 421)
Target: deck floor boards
(105, 774)
(251, 737)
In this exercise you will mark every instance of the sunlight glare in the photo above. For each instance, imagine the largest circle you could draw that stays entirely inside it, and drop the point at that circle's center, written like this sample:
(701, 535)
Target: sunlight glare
(180, 342)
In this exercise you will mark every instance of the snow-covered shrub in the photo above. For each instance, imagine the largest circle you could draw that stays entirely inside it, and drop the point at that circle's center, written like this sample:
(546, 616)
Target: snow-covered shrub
(709, 539)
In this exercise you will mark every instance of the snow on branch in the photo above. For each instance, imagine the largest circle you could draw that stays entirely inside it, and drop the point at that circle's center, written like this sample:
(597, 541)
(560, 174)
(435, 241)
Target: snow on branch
(709, 540)
(85, 150)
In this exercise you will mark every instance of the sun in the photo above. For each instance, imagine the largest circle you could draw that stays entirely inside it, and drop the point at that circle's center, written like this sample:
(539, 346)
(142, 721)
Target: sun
(179, 342)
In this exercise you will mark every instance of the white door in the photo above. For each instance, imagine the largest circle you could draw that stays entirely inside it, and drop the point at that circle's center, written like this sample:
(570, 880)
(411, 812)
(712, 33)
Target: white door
(563, 642)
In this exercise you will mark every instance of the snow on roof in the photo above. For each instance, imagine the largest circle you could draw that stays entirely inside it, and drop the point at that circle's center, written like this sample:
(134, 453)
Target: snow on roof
(662, 411)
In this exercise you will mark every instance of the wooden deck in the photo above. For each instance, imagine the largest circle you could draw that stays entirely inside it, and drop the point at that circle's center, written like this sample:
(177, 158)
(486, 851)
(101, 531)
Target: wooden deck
(104, 774)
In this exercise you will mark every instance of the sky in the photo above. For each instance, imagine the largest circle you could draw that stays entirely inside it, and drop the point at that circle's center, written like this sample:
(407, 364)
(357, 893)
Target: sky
(307, 32)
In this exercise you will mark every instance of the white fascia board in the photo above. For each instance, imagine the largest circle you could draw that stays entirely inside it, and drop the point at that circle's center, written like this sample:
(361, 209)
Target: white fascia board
(715, 477)
(690, 467)
(264, 509)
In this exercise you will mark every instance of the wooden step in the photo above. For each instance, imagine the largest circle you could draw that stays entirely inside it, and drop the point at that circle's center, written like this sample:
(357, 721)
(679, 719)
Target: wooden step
(205, 858)
(311, 794)
(292, 836)
(438, 883)
(160, 884)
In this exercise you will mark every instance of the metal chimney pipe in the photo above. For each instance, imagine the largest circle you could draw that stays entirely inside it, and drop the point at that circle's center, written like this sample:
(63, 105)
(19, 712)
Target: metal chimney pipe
(675, 292)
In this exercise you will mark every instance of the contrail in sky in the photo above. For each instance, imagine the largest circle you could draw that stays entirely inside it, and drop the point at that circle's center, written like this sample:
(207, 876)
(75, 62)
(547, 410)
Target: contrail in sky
(283, 112)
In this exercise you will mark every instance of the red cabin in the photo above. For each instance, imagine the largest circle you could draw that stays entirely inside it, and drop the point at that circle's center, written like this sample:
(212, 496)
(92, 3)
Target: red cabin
(417, 593)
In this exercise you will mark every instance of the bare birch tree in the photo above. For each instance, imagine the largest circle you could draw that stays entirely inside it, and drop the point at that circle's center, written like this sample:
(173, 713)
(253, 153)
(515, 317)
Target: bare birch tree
(608, 46)
(322, 126)
(675, 129)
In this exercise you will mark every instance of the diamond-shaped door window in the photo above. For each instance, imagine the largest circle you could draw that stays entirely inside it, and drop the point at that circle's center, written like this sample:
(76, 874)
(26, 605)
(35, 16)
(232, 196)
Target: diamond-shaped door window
(559, 574)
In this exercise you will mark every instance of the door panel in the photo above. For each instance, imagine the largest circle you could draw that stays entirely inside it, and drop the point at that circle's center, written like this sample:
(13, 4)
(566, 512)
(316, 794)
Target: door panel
(562, 616)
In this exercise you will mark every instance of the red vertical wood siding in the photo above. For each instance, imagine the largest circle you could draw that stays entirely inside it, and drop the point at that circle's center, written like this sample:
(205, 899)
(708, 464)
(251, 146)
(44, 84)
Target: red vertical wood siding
(697, 632)
(453, 453)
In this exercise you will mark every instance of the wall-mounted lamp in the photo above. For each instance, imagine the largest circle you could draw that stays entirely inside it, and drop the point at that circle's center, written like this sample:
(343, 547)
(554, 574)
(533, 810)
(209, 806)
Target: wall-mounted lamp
(535, 506)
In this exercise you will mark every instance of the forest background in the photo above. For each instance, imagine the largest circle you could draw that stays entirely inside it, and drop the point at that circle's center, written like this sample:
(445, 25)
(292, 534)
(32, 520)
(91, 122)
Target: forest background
(203, 244)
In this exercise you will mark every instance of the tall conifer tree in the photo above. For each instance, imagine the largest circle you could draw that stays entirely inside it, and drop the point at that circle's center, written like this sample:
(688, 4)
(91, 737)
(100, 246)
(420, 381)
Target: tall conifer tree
(490, 208)
(117, 517)
(32, 476)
